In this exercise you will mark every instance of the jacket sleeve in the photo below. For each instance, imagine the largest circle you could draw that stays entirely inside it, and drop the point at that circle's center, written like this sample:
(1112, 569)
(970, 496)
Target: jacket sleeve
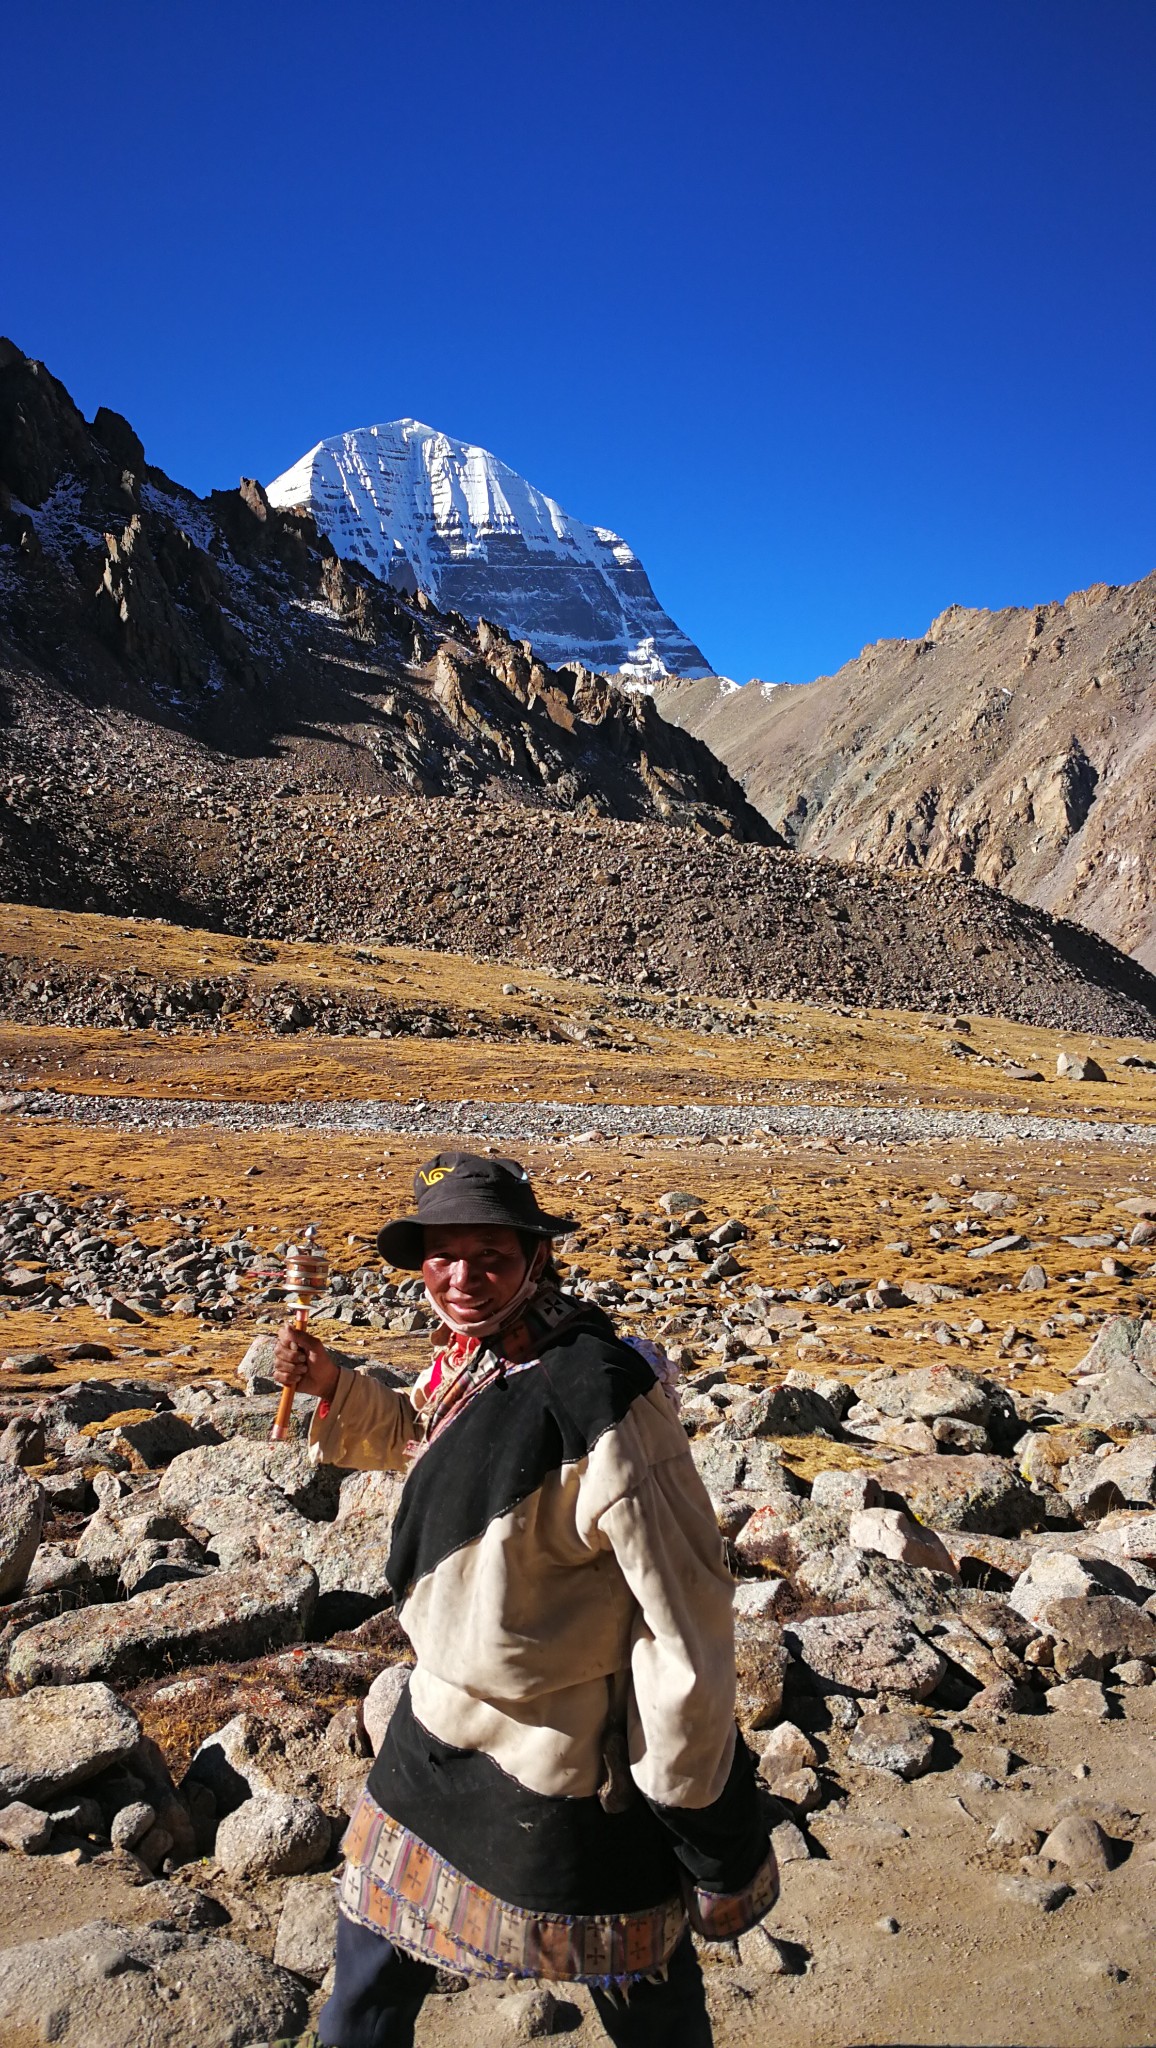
(685, 1752)
(366, 1426)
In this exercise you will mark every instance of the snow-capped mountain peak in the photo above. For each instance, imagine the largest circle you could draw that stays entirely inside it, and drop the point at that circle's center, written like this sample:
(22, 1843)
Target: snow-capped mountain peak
(423, 510)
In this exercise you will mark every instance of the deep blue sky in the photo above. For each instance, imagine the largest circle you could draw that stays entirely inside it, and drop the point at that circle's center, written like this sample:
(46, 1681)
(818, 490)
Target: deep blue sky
(840, 310)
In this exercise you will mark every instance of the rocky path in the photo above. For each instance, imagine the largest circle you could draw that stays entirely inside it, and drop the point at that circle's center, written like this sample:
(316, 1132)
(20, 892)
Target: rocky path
(535, 1122)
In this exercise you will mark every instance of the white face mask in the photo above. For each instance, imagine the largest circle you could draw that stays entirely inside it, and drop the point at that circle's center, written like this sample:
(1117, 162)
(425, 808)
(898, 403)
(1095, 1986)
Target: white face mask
(486, 1326)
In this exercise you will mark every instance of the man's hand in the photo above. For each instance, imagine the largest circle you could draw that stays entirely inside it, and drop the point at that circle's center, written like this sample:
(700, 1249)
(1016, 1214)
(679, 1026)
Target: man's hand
(301, 1361)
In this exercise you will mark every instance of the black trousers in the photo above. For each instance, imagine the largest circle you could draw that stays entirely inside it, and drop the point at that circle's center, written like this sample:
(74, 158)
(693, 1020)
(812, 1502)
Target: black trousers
(378, 1993)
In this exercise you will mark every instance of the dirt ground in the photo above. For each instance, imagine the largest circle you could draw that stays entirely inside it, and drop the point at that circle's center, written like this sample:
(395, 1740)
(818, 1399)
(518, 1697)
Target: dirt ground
(966, 1964)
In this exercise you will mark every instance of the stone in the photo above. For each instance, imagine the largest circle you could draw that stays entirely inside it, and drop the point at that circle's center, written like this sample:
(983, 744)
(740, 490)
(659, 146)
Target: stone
(763, 1953)
(1080, 1844)
(865, 1654)
(789, 1843)
(781, 1411)
(1106, 1628)
(272, 1834)
(801, 1789)
(377, 1707)
(846, 1492)
(154, 1440)
(24, 1829)
(529, 2012)
(764, 1535)
(225, 1766)
(53, 1569)
(930, 1392)
(1132, 1471)
(1055, 1575)
(211, 1487)
(227, 1614)
(760, 1599)
(1037, 1892)
(1000, 1696)
(104, 1986)
(81, 1816)
(23, 1441)
(154, 1846)
(841, 1577)
(761, 1662)
(256, 1368)
(131, 1824)
(983, 1494)
(1033, 1280)
(1079, 1696)
(1074, 1066)
(1015, 1834)
(58, 1736)
(1134, 1671)
(1123, 1342)
(1120, 1398)
(897, 1742)
(786, 1748)
(895, 1535)
(117, 1529)
(1012, 1242)
(992, 1202)
(307, 1928)
(21, 1521)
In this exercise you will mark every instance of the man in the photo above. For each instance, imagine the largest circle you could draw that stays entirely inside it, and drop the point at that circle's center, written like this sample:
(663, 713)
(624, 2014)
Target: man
(562, 1788)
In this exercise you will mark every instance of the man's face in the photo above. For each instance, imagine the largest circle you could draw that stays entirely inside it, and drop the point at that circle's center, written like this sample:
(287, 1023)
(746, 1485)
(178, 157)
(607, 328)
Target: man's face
(472, 1271)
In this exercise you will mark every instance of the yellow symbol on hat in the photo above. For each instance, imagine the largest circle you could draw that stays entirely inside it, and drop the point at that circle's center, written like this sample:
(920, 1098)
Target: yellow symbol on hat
(430, 1180)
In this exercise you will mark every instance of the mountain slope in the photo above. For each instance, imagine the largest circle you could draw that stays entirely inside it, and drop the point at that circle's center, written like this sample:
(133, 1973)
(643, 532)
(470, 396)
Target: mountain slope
(427, 512)
(231, 623)
(1018, 746)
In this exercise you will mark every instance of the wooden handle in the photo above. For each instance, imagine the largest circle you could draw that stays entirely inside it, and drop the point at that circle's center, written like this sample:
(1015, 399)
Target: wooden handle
(281, 1420)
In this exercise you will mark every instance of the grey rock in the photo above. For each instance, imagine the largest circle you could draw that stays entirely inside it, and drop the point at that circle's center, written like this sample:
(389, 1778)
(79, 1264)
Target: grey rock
(859, 1580)
(58, 1736)
(900, 1743)
(1080, 1844)
(1106, 1628)
(760, 1952)
(846, 1492)
(21, 1521)
(1123, 1341)
(54, 1569)
(1074, 1066)
(1057, 1575)
(272, 1835)
(1036, 1892)
(982, 1494)
(1034, 1279)
(1079, 1696)
(307, 1928)
(789, 1843)
(131, 1825)
(225, 1766)
(868, 1653)
(761, 1662)
(208, 1488)
(378, 1706)
(781, 1411)
(529, 2012)
(228, 1614)
(104, 1986)
(24, 1829)
(117, 1529)
(1132, 1471)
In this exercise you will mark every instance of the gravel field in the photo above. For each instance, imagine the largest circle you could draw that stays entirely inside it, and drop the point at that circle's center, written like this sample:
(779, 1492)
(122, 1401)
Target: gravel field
(542, 1120)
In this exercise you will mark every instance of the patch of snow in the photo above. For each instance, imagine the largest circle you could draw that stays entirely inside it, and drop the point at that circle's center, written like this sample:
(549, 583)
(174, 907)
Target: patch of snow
(183, 509)
(423, 510)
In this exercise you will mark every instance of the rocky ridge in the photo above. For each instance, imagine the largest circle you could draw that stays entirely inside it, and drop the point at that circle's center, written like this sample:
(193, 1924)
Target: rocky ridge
(215, 719)
(1018, 746)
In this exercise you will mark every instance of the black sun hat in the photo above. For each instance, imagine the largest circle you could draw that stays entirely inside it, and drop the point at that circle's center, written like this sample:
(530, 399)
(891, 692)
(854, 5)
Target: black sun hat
(461, 1187)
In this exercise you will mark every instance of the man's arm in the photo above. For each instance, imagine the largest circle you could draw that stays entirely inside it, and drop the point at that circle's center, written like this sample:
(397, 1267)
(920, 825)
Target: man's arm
(358, 1422)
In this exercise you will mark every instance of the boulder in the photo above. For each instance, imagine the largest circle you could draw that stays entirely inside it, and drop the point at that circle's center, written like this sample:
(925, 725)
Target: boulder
(24, 1829)
(227, 1614)
(1057, 1575)
(55, 1737)
(981, 1493)
(307, 1928)
(781, 1411)
(377, 1708)
(272, 1835)
(104, 1986)
(1079, 1696)
(761, 1663)
(895, 1535)
(1080, 1844)
(1122, 1342)
(118, 1528)
(1120, 1398)
(859, 1580)
(1132, 1471)
(154, 1440)
(21, 1521)
(225, 1765)
(866, 1654)
(845, 1492)
(901, 1743)
(209, 1488)
(1076, 1066)
(786, 1749)
(1105, 1629)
